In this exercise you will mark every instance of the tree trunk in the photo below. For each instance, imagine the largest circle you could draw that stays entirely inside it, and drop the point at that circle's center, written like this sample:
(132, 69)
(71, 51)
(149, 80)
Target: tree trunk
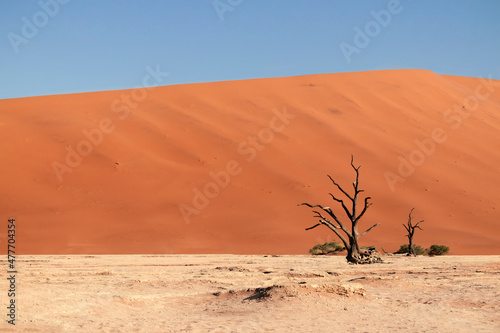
(356, 256)
(353, 253)
(411, 247)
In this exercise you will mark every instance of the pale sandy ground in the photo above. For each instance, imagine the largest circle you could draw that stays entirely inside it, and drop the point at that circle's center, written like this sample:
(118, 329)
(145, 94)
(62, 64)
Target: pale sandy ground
(209, 293)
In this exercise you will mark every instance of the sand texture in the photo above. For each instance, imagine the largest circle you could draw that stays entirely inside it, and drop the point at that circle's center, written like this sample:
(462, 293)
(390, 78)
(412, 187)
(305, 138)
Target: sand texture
(250, 293)
(143, 179)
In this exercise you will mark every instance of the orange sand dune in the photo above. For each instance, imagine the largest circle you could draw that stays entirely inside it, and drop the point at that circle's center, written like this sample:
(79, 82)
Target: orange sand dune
(220, 167)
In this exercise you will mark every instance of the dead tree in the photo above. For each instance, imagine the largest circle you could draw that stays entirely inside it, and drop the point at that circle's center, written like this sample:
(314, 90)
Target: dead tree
(410, 228)
(349, 235)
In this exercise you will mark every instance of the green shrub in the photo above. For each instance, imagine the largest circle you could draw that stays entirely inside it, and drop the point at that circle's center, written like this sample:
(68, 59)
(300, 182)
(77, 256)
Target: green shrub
(326, 248)
(333, 246)
(316, 251)
(368, 248)
(405, 248)
(419, 250)
(437, 250)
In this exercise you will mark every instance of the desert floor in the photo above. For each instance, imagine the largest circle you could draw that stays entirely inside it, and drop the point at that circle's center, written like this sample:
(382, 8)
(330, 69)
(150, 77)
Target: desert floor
(218, 293)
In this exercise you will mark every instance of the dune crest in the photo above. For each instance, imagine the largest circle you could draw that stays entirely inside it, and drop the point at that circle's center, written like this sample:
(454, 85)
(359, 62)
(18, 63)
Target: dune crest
(220, 167)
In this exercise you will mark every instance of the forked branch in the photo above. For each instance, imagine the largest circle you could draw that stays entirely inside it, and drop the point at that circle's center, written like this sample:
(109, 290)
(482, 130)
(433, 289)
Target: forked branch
(329, 211)
(367, 204)
(409, 226)
(330, 225)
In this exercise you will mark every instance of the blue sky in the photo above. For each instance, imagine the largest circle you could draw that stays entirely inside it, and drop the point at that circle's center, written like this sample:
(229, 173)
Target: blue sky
(94, 45)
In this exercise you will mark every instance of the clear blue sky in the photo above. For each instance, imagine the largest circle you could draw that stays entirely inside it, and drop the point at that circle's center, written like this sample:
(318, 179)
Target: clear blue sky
(94, 45)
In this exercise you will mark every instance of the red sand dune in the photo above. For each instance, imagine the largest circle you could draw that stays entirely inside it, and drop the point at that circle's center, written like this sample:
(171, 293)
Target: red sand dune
(271, 143)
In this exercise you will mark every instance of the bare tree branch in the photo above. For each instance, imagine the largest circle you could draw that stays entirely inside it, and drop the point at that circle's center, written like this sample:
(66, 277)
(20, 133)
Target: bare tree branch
(331, 213)
(326, 209)
(409, 215)
(367, 204)
(346, 210)
(352, 163)
(331, 226)
(416, 225)
(356, 182)
(314, 226)
(340, 188)
(370, 228)
(319, 215)
(409, 225)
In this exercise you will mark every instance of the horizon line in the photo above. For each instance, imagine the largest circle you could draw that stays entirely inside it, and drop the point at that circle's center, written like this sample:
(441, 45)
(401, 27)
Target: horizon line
(235, 80)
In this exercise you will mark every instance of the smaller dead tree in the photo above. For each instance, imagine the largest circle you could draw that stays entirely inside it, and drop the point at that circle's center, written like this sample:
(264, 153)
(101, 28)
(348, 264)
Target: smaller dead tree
(410, 228)
(348, 233)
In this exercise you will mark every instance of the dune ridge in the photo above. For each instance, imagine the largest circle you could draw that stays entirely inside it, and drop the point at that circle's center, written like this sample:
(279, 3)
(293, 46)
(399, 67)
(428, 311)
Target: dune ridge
(220, 167)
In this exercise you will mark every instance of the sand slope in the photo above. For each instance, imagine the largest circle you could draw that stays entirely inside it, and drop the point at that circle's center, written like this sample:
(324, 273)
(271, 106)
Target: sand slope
(114, 172)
